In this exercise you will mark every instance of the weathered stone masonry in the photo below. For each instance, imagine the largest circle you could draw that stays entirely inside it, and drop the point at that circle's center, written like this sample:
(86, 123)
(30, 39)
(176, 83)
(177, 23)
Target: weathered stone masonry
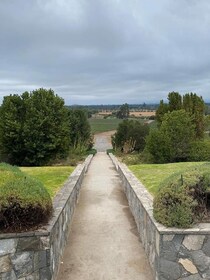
(174, 254)
(36, 255)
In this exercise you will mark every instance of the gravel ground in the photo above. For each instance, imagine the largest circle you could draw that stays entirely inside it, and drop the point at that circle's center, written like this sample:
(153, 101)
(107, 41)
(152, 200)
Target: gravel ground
(103, 141)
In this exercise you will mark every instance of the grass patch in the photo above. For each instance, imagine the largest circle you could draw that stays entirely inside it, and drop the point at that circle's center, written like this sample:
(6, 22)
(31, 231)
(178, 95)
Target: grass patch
(53, 177)
(152, 175)
(103, 125)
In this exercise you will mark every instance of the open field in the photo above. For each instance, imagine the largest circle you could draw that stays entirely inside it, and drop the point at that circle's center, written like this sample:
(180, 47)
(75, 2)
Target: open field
(53, 177)
(103, 125)
(134, 113)
(151, 175)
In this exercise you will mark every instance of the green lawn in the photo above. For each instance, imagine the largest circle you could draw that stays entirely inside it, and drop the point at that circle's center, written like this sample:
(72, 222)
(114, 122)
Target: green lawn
(52, 177)
(151, 175)
(102, 125)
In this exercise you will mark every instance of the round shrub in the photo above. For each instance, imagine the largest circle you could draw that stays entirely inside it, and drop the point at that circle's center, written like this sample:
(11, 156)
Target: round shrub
(181, 200)
(24, 201)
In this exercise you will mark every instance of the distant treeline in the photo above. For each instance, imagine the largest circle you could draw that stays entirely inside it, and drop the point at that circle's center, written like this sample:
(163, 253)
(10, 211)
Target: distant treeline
(111, 107)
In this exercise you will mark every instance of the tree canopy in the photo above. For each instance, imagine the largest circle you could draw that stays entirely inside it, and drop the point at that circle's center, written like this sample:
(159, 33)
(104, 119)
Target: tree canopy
(36, 128)
(191, 103)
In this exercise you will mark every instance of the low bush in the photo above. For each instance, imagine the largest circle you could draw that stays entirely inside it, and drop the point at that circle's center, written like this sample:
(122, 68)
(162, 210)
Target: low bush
(24, 201)
(182, 199)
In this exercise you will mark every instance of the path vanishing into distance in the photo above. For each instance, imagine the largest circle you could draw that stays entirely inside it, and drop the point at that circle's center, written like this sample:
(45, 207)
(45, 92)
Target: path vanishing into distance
(103, 241)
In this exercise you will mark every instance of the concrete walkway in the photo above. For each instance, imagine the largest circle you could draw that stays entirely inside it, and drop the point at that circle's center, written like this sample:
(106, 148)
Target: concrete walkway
(103, 242)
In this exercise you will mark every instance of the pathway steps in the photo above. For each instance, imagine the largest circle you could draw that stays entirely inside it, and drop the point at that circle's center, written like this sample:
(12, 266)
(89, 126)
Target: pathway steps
(103, 242)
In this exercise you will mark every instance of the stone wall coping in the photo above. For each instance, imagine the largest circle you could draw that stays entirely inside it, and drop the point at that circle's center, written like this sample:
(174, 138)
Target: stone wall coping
(59, 203)
(147, 202)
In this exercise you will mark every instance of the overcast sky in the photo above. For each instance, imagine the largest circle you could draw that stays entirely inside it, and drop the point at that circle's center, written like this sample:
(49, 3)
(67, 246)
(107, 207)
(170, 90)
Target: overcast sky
(105, 51)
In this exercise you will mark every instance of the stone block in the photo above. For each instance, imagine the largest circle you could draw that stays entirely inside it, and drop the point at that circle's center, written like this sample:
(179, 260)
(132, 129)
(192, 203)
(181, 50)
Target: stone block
(28, 244)
(206, 246)
(8, 275)
(168, 251)
(8, 246)
(169, 270)
(201, 261)
(5, 264)
(192, 277)
(188, 266)
(22, 263)
(194, 242)
(45, 273)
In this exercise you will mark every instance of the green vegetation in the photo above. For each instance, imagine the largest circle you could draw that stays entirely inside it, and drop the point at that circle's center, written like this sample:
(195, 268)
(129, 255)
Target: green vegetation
(123, 112)
(183, 198)
(130, 136)
(24, 201)
(180, 133)
(152, 175)
(180, 191)
(103, 125)
(52, 177)
(37, 129)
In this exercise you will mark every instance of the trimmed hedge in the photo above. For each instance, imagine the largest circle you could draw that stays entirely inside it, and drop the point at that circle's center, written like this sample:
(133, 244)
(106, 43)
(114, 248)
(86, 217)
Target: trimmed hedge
(182, 199)
(24, 201)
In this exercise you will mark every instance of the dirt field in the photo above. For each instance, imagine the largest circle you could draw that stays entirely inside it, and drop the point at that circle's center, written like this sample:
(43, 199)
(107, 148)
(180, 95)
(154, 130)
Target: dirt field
(136, 114)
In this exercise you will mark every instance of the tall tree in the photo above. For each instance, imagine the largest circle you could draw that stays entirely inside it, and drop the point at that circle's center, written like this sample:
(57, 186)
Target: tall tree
(195, 106)
(191, 103)
(172, 141)
(35, 129)
(79, 130)
(161, 111)
(123, 112)
(174, 101)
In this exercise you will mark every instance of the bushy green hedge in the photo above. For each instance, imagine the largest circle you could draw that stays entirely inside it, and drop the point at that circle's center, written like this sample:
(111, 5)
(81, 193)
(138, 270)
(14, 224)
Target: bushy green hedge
(181, 200)
(24, 201)
(199, 151)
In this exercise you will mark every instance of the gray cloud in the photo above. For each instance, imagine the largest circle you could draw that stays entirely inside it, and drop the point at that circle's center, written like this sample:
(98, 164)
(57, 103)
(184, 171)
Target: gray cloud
(111, 51)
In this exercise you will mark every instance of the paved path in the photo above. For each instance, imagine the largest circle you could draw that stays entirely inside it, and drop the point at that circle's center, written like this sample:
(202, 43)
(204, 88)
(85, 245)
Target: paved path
(103, 242)
(103, 141)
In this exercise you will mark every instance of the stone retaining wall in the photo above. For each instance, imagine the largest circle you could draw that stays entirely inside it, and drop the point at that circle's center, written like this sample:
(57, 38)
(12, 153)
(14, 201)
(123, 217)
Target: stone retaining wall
(36, 255)
(174, 254)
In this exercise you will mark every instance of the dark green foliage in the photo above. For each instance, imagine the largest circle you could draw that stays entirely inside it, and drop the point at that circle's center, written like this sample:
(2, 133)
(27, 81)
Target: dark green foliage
(79, 130)
(199, 151)
(33, 128)
(174, 101)
(195, 106)
(171, 143)
(123, 112)
(24, 201)
(181, 200)
(130, 136)
(191, 103)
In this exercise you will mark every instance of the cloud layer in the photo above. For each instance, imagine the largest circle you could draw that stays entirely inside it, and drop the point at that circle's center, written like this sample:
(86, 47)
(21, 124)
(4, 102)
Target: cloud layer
(100, 52)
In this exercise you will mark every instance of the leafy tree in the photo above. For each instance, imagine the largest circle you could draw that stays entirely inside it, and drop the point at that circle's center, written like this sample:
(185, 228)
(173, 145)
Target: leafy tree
(174, 101)
(123, 112)
(161, 111)
(33, 128)
(130, 136)
(79, 130)
(191, 103)
(195, 106)
(172, 141)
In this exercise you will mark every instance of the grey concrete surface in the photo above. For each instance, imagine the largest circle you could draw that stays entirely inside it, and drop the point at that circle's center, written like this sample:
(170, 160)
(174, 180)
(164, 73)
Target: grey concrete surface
(103, 242)
(102, 141)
